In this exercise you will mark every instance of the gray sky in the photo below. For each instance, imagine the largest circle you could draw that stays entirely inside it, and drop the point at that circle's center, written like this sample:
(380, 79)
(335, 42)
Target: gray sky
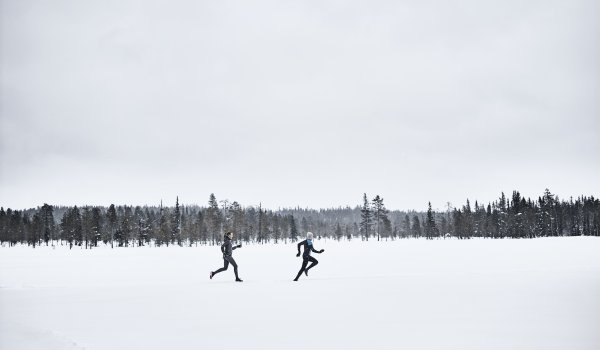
(308, 103)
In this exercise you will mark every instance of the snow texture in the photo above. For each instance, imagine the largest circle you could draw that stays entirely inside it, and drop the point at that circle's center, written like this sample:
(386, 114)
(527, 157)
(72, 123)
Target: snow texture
(408, 294)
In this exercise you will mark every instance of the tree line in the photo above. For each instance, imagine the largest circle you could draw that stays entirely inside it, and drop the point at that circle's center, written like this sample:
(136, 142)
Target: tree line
(129, 226)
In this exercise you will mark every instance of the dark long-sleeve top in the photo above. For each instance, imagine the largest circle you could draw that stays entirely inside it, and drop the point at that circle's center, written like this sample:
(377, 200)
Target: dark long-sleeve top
(226, 247)
(308, 247)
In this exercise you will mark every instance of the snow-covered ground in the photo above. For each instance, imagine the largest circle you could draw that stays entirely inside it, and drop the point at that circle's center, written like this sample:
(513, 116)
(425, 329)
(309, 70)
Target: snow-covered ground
(409, 294)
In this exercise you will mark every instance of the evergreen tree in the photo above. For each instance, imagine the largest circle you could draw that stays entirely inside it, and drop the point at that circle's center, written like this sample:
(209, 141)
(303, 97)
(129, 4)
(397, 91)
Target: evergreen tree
(27, 234)
(516, 216)
(264, 221)
(200, 227)
(293, 229)
(406, 227)
(15, 226)
(213, 219)
(77, 226)
(468, 222)
(251, 224)
(186, 234)
(164, 227)
(237, 219)
(478, 220)
(459, 226)
(152, 223)
(503, 216)
(488, 222)
(444, 227)
(416, 227)
(96, 226)
(127, 226)
(139, 223)
(37, 230)
(176, 224)
(71, 227)
(595, 218)
(546, 217)
(111, 217)
(338, 232)
(386, 227)
(276, 223)
(47, 216)
(379, 213)
(366, 218)
(86, 223)
(431, 229)
(260, 225)
(4, 230)
(305, 226)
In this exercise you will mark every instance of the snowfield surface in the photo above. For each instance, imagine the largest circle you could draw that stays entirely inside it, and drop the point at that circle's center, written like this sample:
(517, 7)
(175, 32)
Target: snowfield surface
(408, 294)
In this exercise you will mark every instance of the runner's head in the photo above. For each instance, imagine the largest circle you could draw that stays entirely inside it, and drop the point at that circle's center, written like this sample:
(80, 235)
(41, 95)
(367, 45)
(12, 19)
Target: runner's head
(229, 234)
(309, 235)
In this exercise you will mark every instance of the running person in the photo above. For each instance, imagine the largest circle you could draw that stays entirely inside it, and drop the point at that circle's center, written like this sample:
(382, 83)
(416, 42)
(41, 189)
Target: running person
(308, 247)
(227, 251)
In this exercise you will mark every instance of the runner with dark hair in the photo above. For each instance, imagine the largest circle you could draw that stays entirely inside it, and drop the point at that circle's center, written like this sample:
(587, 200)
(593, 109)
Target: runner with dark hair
(227, 251)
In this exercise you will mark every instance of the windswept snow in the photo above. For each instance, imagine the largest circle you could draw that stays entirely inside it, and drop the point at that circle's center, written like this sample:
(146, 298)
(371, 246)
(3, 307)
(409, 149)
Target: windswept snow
(408, 294)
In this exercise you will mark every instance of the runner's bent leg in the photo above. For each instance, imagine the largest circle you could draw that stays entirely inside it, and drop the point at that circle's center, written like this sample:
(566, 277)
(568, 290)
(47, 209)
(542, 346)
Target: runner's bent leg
(230, 259)
(224, 268)
(304, 263)
(313, 262)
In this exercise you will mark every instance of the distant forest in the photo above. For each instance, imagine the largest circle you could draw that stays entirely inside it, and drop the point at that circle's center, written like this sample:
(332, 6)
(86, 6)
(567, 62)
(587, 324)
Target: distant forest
(129, 226)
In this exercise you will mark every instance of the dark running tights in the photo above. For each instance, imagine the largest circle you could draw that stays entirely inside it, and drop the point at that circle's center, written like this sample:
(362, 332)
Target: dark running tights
(227, 260)
(305, 261)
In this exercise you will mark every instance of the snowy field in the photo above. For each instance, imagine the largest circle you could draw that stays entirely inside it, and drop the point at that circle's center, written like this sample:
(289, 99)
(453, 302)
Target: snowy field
(409, 294)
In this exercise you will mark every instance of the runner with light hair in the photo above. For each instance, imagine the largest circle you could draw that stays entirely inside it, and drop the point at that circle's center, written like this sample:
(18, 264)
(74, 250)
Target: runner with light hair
(308, 247)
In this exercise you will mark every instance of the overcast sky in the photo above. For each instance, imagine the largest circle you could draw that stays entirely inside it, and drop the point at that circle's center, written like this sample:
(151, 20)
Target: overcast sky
(297, 103)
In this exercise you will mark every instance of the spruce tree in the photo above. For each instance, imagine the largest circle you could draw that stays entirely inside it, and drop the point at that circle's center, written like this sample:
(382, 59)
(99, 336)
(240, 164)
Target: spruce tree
(213, 219)
(459, 228)
(164, 228)
(416, 227)
(176, 224)
(386, 227)
(3, 226)
(237, 219)
(366, 218)
(338, 232)
(293, 229)
(431, 229)
(111, 217)
(503, 216)
(379, 213)
(37, 230)
(276, 223)
(77, 226)
(260, 224)
(305, 226)
(86, 223)
(406, 227)
(444, 227)
(200, 227)
(127, 226)
(47, 216)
